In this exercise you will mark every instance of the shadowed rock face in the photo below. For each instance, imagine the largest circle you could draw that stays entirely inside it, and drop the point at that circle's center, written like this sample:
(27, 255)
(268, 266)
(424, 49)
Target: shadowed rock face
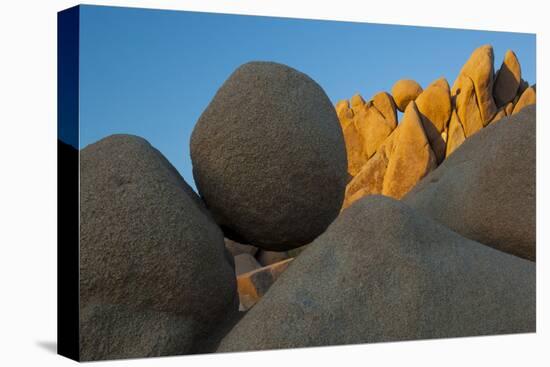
(486, 189)
(269, 157)
(507, 80)
(383, 272)
(153, 266)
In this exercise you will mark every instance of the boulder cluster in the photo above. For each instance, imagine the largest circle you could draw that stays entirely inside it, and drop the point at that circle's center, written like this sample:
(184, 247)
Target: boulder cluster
(389, 158)
(265, 258)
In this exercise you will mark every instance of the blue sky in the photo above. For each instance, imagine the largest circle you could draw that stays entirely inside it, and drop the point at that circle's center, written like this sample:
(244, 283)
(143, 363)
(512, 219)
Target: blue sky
(152, 72)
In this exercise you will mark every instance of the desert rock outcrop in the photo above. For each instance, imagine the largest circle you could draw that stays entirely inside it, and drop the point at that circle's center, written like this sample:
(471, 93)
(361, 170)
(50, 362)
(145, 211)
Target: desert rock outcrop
(449, 117)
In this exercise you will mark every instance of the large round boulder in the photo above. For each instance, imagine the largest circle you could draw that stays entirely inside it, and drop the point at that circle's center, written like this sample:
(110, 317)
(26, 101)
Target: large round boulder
(485, 190)
(155, 278)
(383, 272)
(269, 157)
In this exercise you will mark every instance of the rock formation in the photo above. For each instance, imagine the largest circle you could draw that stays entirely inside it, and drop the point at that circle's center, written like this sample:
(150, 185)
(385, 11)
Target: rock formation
(372, 127)
(434, 105)
(486, 189)
(507, 79)
(155, 278)
(303, 262)
(269, 157)
(527, 98)
(255, 284)
(480, 69)
(405, 91)
(383, 272)
(467, 109)
(456, 135)
(449, 117)
(412, 158)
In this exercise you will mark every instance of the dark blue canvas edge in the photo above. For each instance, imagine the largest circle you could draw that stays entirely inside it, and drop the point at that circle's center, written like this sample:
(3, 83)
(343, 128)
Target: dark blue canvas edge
(68, 25)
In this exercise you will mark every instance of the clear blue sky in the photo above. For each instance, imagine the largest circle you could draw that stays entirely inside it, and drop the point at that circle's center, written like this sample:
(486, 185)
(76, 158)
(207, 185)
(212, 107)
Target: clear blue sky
(151, 73)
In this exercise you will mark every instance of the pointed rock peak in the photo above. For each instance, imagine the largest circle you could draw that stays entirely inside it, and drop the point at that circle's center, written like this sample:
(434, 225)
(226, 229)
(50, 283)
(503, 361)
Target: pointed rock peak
(480, 68)
(411, 124)
(385, 104)
(412, 157)
(441, 83)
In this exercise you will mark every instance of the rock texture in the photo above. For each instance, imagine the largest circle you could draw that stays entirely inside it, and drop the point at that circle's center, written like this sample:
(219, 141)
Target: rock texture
(382, 272)
(356, 154)
(434, 105)
(153, 266)
(449, 116)
(507, 80)
(269, 157)
(403, 159)
(412, 157)
(456, 134)
(528, 97)
(405, 91)
(486, 189)
(501, 113)
(119, 331)
(480, 69)
(370, 180)
(253, 285)
(373, 128)
(466, 105)
(385, 104)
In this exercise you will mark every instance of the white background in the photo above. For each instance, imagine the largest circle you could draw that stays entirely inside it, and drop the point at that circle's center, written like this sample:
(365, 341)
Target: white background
(28, 182)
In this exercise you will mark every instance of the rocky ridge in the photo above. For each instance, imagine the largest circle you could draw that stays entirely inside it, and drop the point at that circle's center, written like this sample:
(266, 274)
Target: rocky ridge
(450, 115)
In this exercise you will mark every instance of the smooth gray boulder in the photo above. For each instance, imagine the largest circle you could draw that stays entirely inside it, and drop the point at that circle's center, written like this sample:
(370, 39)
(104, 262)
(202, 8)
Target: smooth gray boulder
(153, 265)
(486, 189)
(383, 272)
(269, 157)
